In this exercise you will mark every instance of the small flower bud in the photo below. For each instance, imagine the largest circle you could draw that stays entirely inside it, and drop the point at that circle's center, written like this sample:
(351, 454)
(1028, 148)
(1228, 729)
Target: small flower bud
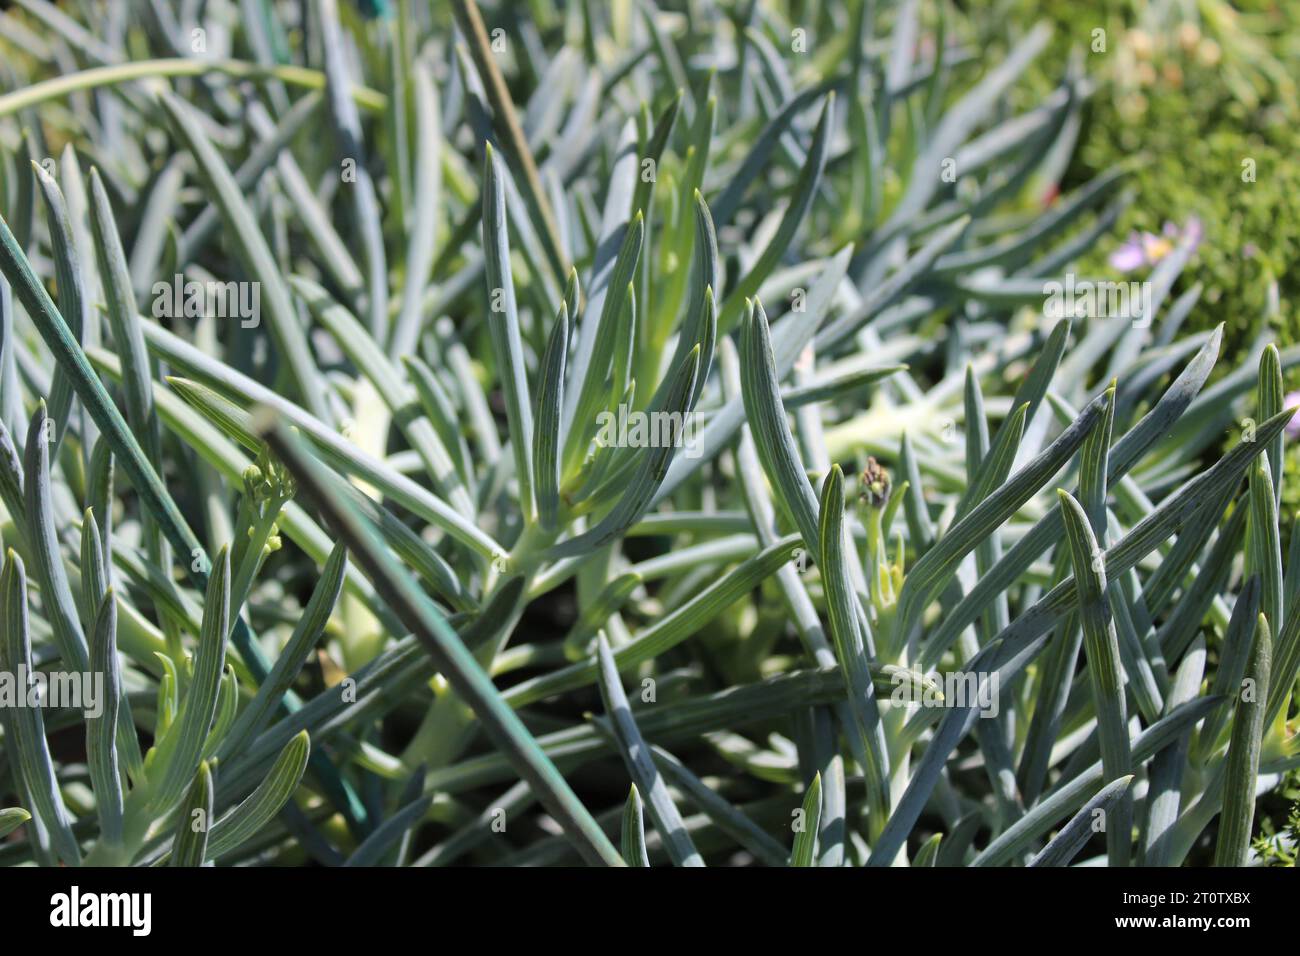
(875, 483)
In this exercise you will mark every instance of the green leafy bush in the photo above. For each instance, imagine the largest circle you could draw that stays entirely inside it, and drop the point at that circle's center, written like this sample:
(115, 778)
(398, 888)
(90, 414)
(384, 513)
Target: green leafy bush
(1219, 76)
(698, 443)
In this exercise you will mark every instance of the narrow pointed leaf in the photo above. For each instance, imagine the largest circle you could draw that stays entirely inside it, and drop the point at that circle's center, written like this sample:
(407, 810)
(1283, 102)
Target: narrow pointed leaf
(546, 437)
(101, 730)
(1237, 817)
(261, 806)
(26, 724)
(805, 840)
(190, 845)
(634, 851)
(1082, 826)
(636, 756)
(1105, 676)
(503, 324)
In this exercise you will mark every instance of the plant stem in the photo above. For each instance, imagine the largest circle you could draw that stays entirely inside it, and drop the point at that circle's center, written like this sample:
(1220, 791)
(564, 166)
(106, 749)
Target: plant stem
(507, 125)
(54, 89)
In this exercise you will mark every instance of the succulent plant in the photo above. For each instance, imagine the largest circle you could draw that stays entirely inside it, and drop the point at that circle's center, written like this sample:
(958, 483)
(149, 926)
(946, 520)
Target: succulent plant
(682, 466)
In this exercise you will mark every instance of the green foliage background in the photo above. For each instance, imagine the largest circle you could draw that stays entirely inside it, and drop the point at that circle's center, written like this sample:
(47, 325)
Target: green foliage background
(454, 539)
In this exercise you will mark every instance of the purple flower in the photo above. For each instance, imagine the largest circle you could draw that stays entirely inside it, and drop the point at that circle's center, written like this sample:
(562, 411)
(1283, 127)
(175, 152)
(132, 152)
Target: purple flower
(1130, 255)
(1144, 249)
(1293, 426)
